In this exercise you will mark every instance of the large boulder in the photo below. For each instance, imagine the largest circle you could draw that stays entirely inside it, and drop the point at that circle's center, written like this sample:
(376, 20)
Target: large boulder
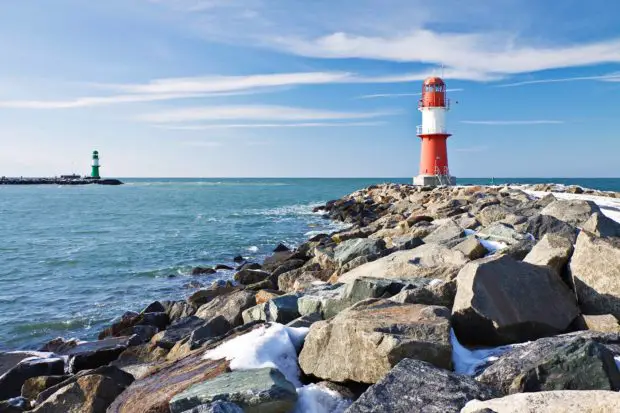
(256, 390)
(578, 361)
(35, 385)
(357, 247)
(491, 213)
(203, 296)
(282, 309)
(88, 394)
(574, 212)
(177, 310)
(230, 306)
(417, 386)
(448, 233)
(600, 225)
(365, 341)
(427, 261)
(549, 402)
(604, 323)
(12, 380)
(500, 300)
(185, 327)
(539, 225)
(327, 301)
(216, 407)
(153, 393)
(247, 277)
(552, 251)
(595, 268)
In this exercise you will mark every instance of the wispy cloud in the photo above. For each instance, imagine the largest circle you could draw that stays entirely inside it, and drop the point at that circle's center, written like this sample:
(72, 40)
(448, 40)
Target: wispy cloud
(481, 53)
(270, 125)
(613, 77)
(513, 122)
(399, 95)
(209, 86)
(255, 113)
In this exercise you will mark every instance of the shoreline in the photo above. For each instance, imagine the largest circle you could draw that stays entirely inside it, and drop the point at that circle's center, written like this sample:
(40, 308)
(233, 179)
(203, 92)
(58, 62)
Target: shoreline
(293, 286)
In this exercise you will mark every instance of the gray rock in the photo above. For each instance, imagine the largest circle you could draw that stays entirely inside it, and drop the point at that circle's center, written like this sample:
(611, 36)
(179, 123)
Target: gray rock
(539, 225)
(500, 300)
(305, 320)
(595, 267)
(11, 381)
(491, 214)
(181, 309)
(289, 265)
(255, 391)
(358, 247)
(35, 385)
(471, 248)
(88, 394)
(282, 309)
(520, 249)
(568, 362)
(552, 251)
(214, 327)
(574, 212)
(549, 402)
(600, 225)
(502, 233)
(327, 301)
(440, 293)
(545, 200)
(428, 261)
(216, 407)
(449, 234)
(247, 277)
(406, 242)
(186, 326)
(364, 342)
(203, 296)
(230, 306)
(417, 386)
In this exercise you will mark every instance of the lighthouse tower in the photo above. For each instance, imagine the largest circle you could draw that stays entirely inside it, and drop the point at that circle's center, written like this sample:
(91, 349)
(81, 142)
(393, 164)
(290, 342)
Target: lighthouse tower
(95, 168)
(434, 106)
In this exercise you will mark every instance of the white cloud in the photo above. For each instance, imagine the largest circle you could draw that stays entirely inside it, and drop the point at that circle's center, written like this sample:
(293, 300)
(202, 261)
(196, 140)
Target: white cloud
(255, 113)
(484, 53)
(269, 125)
(613, 77)
(512, 122)
(399, 95)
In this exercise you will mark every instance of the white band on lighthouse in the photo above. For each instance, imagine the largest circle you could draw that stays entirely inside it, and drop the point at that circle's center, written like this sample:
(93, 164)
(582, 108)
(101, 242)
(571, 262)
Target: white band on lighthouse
(95, 162)
(433, 120)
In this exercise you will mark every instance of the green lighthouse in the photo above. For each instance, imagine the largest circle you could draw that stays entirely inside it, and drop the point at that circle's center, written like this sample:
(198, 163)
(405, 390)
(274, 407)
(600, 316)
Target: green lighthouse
(95, 170)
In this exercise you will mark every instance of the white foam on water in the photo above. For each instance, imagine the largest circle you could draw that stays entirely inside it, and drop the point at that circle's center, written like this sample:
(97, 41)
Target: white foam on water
(610, 207)
(275, 345)
(468, 361)
(318, 399)
(253, 248)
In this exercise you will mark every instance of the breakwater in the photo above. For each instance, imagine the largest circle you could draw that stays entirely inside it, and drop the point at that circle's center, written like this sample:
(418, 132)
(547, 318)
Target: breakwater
(58, 181)
(362, 318)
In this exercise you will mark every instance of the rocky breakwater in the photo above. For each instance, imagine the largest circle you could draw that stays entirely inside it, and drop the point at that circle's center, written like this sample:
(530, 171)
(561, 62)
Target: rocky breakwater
(58, 181)
(472, 299)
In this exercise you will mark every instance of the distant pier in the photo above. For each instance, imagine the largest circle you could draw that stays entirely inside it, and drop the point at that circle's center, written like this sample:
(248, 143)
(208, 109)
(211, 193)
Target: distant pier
(63, 180)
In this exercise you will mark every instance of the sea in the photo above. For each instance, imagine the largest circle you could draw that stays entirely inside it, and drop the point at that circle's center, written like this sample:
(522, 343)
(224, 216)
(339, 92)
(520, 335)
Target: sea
(75, 258)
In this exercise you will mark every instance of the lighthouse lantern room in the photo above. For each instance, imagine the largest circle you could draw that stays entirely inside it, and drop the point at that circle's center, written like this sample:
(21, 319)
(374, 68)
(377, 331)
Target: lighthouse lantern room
(95, 167)
(434, 106)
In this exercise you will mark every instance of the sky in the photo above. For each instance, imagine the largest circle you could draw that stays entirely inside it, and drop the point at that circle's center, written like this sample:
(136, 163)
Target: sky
(307, 88)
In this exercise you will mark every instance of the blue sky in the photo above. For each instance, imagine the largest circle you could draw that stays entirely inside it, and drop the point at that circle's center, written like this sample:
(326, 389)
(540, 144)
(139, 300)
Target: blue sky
(215, 88)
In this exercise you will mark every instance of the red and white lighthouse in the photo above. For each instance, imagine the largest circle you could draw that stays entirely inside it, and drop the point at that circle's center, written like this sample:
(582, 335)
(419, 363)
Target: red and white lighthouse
(434, 106)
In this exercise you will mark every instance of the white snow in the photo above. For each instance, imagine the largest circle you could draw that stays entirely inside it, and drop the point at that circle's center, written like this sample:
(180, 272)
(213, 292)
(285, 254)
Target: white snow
(617, 360)
(609, 206)
(468, 361)
(469, 232)
(267, 346)
(318, 399)
(275, 345)
(492, 246)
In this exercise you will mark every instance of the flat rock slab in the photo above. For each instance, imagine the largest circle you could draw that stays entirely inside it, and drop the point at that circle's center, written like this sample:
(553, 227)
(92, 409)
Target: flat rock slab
(574, 212)
(428, 260)
(500, 300)
(415, 386)
(258, 390)
(365, 341)
(563, 401)
(11, 382)
(94, 354)
(595, 267)
(578, 361)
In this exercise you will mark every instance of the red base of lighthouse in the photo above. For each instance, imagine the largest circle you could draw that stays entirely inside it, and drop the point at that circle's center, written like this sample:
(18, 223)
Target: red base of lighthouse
(434, 161)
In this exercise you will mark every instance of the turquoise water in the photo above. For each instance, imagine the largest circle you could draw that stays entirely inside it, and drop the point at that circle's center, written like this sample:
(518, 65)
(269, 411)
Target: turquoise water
(74, 258)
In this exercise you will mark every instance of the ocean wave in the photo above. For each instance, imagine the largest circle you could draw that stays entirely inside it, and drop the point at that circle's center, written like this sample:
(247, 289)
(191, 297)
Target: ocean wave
(206, 183)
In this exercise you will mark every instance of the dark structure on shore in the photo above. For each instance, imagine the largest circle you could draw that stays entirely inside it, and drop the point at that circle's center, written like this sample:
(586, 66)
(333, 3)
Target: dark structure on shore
(72, 179)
